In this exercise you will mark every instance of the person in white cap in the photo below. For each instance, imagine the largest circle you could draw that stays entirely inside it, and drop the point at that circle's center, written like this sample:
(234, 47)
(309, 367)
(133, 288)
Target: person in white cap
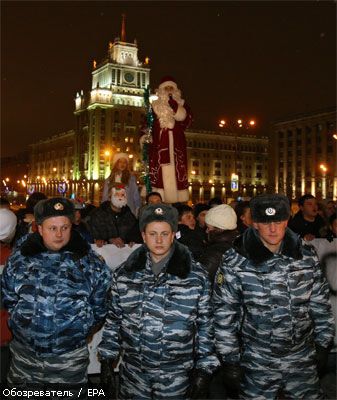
(167, 152)
(120, 173)
(221, 222)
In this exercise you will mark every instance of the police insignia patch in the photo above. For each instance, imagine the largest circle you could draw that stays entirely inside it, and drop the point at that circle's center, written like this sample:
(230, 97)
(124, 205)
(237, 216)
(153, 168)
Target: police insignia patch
(58, 206)
(220, 279)
(270, 211)
(159, 211)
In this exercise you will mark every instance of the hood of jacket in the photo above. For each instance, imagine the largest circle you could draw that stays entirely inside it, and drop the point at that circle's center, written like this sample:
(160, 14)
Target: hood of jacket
(179, 264)
(250, 246)
(34, 245)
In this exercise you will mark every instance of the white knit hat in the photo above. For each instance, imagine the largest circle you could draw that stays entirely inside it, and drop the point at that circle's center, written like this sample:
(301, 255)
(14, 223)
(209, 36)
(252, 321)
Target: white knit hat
(7, 225)
(222, 217)
(117, 156)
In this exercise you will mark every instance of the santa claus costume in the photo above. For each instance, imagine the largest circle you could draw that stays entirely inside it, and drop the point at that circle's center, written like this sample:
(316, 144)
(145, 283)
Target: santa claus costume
(167, 152)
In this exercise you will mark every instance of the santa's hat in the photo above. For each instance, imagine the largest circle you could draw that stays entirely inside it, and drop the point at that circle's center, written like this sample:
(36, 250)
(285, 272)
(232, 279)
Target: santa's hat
(168, 81)
(118, 156)
(117, 188)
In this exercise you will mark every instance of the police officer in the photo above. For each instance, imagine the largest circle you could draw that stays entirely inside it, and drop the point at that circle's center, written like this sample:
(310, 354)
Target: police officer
(272, 314)
(160, 316)
(55, 289)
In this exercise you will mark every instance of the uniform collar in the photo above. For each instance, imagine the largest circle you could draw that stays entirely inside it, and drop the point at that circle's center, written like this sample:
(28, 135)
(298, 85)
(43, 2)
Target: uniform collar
(179, 263)
(250, 246)
(34, 245)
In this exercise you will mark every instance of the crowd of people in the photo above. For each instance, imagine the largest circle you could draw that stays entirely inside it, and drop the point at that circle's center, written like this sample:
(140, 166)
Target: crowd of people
(219, 301)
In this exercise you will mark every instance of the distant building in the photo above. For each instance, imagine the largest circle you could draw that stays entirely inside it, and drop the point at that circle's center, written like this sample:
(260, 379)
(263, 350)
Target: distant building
(303, 155)
(52, 162)
(108, 119)
(214, 156)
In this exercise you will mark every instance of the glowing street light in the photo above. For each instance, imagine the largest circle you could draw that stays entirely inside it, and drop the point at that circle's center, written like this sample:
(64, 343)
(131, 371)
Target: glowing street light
(323, 168)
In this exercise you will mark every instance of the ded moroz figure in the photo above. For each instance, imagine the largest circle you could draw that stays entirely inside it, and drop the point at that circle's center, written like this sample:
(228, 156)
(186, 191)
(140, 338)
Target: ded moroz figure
(167, 152)
(273, 320)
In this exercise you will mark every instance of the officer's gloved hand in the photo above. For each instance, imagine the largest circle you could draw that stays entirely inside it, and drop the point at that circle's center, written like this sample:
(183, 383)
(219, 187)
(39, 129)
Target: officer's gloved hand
(199, 384)
(322, 354)
(232, 375)
(108, 379)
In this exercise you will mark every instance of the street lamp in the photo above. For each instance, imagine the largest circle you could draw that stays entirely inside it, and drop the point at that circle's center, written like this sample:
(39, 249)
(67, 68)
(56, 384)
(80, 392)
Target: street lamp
(236, 127)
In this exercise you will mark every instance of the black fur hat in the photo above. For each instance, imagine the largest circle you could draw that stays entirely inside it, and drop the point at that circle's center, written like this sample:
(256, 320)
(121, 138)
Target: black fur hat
(55, 207)
(159, 212)
(270, 208)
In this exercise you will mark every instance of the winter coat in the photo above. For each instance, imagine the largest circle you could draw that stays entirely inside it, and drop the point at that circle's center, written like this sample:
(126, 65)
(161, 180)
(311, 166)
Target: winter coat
(132, 194)
(106, 224)
(54, 298)
(303, 227)
(218, 244)
(191, 238)
(161, 322)
(269, 306)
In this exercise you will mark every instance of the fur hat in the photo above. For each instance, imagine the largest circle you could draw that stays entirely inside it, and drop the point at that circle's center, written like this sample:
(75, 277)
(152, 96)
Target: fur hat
(118, 156)
(159, 212)
(55, 207)
(270, 208)
(222, 216)
(7, 224)
(168, 81)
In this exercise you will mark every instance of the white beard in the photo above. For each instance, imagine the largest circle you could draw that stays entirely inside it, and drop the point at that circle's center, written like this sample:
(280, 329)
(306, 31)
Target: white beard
(163, 111)
(118, 202)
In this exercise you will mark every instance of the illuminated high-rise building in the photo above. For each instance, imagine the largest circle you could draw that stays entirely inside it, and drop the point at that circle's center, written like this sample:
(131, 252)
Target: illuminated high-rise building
(108, 118)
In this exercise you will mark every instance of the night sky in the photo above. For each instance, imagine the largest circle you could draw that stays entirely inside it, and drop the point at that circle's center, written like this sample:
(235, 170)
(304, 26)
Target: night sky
(231, 59)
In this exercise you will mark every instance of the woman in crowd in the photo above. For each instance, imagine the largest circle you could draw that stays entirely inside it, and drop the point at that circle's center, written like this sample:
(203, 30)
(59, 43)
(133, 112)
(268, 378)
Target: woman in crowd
(121, 173)
(221, 224)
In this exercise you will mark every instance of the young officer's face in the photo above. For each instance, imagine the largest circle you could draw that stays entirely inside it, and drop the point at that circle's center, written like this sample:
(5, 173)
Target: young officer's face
(55, 232)
(271, 233)
(158, 236)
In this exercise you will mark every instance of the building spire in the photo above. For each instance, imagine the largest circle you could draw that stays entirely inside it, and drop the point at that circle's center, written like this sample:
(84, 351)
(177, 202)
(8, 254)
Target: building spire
(123, 33)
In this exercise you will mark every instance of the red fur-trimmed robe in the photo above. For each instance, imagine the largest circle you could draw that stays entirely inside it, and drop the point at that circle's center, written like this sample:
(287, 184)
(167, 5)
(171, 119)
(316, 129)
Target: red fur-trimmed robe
(168, 158)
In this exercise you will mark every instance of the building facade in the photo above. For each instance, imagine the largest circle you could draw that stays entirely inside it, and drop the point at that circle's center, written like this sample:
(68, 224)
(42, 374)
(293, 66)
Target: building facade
(214, 157)
(108, 118)
(303, 154)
